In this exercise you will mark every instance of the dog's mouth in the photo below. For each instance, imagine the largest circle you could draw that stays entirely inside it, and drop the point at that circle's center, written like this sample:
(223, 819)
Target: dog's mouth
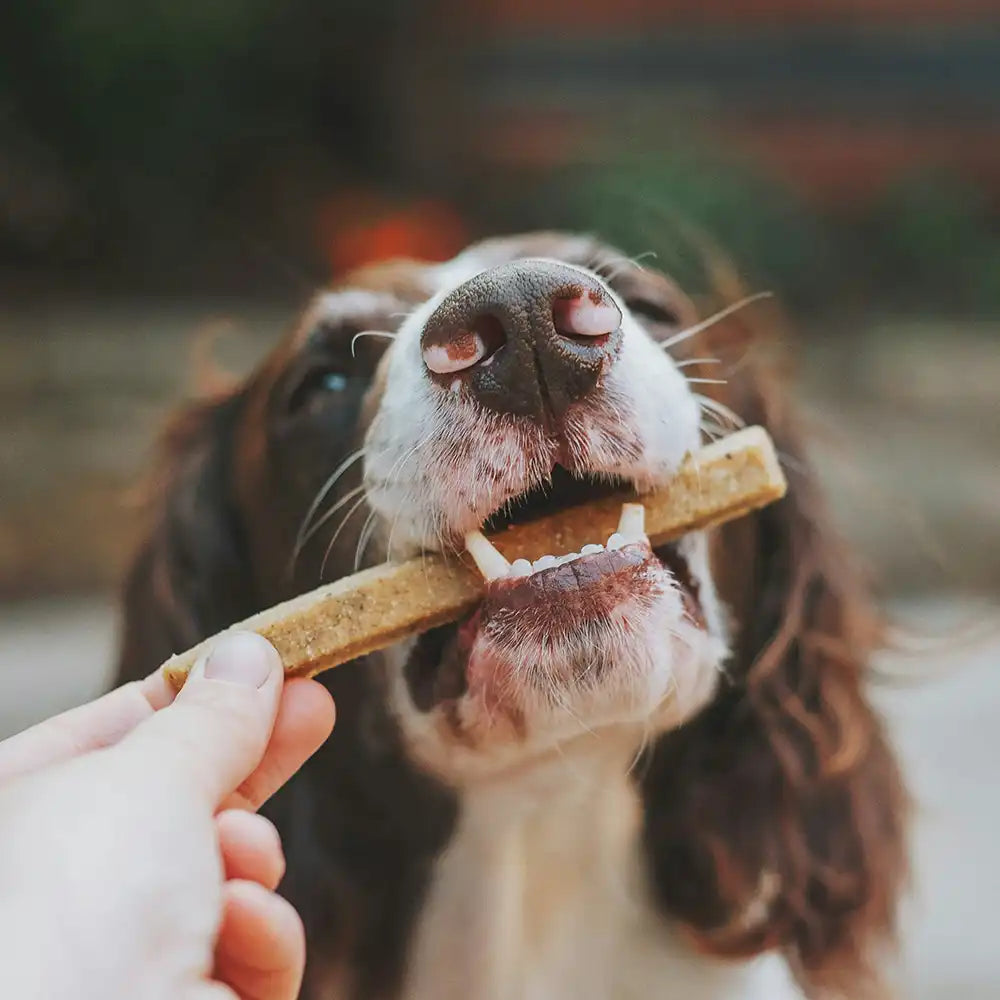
(604, 588)
(564, 489)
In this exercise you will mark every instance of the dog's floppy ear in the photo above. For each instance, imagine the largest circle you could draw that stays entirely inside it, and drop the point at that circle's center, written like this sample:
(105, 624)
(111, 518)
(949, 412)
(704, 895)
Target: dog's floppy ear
(190, 577)
(775, 819)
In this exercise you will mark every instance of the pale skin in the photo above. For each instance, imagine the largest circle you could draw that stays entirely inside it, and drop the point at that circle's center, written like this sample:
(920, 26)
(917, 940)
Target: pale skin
(133, 862)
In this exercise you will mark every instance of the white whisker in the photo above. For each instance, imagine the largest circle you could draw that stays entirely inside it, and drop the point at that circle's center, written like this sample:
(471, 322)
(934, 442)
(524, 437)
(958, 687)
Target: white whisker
(622, 263)
(340, 528)
(346, 498)
(392, 479)
(708, 381)
(367, 530)
(717, 409)
(697, 361)
(302, 536)
(677, 338)
(327, 486)
(370, 333)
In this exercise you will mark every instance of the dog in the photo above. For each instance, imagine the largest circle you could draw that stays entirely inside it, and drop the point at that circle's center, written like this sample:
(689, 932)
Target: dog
(631, 774)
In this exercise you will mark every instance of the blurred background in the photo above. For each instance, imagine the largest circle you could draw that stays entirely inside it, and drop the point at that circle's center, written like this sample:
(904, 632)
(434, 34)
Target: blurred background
(171, 170)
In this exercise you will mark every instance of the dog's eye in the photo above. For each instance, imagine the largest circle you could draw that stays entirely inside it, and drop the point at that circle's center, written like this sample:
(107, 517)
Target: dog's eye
(334, 381)
(653, 311)
(316, 388)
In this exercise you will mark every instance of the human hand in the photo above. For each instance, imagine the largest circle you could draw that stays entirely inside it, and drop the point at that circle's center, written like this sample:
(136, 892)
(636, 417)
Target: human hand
(132, 863)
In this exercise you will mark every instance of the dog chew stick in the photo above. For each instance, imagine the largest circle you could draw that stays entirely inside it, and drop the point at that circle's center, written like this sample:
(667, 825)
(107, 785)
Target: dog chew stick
(379, 606)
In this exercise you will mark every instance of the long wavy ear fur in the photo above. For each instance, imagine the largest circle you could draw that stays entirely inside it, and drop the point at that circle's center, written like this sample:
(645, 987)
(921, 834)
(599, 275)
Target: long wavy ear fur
(775, 819)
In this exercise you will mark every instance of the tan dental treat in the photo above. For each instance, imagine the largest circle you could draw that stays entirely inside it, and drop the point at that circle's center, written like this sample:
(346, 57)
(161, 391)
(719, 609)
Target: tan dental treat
(379, 606)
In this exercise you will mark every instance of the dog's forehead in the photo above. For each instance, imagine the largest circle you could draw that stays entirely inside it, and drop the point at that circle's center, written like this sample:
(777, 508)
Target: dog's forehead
(566, 247)
(414, 281)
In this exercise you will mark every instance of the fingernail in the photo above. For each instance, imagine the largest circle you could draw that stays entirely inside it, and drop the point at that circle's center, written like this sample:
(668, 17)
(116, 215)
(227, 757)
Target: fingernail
(242, 658)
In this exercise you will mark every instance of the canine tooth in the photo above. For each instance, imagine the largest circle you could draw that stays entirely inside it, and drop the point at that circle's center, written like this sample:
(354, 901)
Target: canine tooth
(546, 562)
(519, 568)
(589, 550)
(632, 523)
(568, 558)
(616, 541)
(490, 562)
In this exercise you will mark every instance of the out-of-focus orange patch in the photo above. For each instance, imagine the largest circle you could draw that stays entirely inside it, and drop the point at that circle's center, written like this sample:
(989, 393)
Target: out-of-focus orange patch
(357, 228)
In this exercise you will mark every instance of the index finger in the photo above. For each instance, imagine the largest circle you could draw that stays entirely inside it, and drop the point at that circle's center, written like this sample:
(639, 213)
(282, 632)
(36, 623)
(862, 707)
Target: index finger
(97, 724)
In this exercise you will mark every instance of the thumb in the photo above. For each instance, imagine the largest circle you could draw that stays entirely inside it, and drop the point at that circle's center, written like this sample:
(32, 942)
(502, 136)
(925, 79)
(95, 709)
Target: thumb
(216, 730)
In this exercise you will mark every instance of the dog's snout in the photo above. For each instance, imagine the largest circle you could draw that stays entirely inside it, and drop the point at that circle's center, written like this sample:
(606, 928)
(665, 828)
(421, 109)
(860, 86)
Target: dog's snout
(529, 337)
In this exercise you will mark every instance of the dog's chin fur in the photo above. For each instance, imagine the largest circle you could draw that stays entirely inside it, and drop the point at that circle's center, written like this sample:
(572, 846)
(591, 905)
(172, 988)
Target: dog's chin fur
(643, 669)
(502, 722)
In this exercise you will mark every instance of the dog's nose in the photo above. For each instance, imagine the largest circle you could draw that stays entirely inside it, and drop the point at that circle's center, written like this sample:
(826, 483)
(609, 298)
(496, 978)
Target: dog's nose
(529, 337)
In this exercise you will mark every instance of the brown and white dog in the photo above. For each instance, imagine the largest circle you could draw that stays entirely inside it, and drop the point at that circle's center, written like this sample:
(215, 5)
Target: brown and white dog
(628, 774)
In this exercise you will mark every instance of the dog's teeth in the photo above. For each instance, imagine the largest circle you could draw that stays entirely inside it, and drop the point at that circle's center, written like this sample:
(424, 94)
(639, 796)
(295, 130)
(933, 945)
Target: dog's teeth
(519, 568)
(569, 557)
(616, 541)
(490, 562)
(546, 562)
(589, 550)
(632, 524)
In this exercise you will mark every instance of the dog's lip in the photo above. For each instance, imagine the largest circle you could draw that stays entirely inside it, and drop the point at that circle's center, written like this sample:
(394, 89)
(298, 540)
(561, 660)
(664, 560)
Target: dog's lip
(584, 573)
(595, 568)
(591, 573)
(589, 587)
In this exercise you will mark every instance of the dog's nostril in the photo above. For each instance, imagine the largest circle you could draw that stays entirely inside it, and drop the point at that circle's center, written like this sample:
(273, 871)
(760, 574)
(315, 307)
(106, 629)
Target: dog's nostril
(476, 343)
(491, 333)
(585, 317)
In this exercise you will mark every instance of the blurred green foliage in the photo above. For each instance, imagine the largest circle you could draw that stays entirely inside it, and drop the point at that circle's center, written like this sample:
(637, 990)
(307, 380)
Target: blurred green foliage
(692, 207)
(934, 235)
(164, 119)
(931, 239)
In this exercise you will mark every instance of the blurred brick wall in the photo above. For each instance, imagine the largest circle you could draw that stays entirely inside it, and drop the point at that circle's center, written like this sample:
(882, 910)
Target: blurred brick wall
(571, 16)
(839, 97)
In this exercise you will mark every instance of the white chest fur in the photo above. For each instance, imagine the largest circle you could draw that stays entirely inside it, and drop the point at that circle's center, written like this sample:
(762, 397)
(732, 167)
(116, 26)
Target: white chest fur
(541, 896)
